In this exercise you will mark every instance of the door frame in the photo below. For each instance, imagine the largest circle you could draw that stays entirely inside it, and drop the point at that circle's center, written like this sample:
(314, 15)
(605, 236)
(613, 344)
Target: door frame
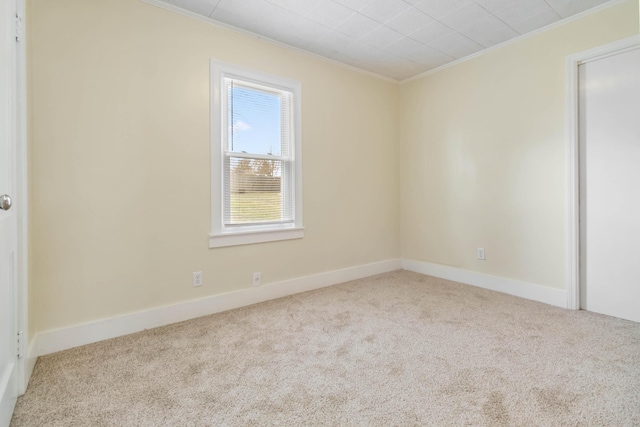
(573, 158)
(26, 362)
(13, 35)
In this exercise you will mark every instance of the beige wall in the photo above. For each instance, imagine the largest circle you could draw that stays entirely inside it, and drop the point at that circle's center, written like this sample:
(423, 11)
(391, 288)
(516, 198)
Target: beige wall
(483, 154)
(119, 143)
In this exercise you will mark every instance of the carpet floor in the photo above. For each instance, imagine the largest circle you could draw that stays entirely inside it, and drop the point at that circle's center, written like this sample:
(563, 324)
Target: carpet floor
(398, 349)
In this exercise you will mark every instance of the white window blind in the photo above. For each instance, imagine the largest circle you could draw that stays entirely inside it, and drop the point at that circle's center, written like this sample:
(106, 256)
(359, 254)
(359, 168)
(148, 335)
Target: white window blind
(258, 155)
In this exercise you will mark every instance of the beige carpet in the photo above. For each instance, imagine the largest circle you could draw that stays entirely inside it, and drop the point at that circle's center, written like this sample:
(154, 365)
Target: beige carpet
(396, 349)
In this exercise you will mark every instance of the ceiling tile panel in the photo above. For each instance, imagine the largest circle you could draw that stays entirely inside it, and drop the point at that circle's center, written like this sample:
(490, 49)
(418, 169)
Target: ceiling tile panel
(534, 22)
(354, 4)
(519, 10)
(331, 42)
(357, 25)
(419, 53)
(409, 21)
(456, 45)
(233, 19)
(430, 57)
(384, 10)
(272, 21)
(468, 15)
(432, 31)
(405, 47)
(493, 5)
(329, 13)
(301, 7)
(336, 39)
(362, 52)
(487, 31)
(382, 36)
(306, 32)
(439, 8)
(492, 37)
(230, 12)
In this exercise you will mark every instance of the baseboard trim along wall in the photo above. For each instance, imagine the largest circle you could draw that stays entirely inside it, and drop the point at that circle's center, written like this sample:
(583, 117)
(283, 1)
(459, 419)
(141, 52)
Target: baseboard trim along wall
(545, 294)
(65, 338)
(74, 336)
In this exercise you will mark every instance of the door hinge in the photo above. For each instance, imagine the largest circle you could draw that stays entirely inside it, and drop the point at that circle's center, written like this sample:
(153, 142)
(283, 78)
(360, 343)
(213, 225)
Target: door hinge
(19, 28)
(20, 340)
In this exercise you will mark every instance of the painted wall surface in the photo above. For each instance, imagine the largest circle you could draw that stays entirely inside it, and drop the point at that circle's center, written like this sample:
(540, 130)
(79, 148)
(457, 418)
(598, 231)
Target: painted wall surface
(120, 179)
(483, 154)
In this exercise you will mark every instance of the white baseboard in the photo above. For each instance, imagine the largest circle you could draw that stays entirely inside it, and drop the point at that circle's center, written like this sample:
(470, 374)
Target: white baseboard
(65, 338)
(29, 364)
(545, 294)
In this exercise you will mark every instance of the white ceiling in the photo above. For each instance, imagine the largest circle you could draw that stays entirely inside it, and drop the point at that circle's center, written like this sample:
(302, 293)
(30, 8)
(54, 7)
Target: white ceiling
(394, 38)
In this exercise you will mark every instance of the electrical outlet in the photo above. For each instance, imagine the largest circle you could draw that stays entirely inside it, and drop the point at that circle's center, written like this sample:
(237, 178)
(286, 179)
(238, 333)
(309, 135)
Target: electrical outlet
(197, 278)
(257, 279)
(481, 253)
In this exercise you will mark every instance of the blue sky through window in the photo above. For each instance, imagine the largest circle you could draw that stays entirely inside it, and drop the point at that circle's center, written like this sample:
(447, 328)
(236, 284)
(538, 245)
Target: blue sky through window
(254, 121)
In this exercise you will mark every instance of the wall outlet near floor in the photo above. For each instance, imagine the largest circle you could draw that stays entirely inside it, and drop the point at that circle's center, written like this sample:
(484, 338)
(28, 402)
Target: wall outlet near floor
(481, 253)
(257, 279)
(197, 278)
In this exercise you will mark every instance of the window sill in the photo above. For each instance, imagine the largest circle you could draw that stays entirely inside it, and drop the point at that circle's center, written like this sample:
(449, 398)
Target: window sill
(250, 237)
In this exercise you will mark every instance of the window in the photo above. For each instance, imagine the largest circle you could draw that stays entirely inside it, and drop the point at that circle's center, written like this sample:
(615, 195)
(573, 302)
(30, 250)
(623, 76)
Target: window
(255, 157)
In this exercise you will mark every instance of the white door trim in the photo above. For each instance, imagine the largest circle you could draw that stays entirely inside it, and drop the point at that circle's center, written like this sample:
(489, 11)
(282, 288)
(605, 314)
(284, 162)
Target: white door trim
(573, 159)
(25, 365)
(14, 57)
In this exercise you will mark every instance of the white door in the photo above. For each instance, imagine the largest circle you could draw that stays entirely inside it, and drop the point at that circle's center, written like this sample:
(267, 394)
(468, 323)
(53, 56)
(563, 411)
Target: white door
(8, 217)
(609, 117)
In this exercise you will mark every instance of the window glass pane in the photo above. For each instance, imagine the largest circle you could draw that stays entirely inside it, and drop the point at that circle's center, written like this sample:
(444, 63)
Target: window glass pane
(254, 120)
(254, 192)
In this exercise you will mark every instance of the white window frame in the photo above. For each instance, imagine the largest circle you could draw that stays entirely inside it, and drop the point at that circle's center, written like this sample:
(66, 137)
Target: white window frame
(221, 235)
